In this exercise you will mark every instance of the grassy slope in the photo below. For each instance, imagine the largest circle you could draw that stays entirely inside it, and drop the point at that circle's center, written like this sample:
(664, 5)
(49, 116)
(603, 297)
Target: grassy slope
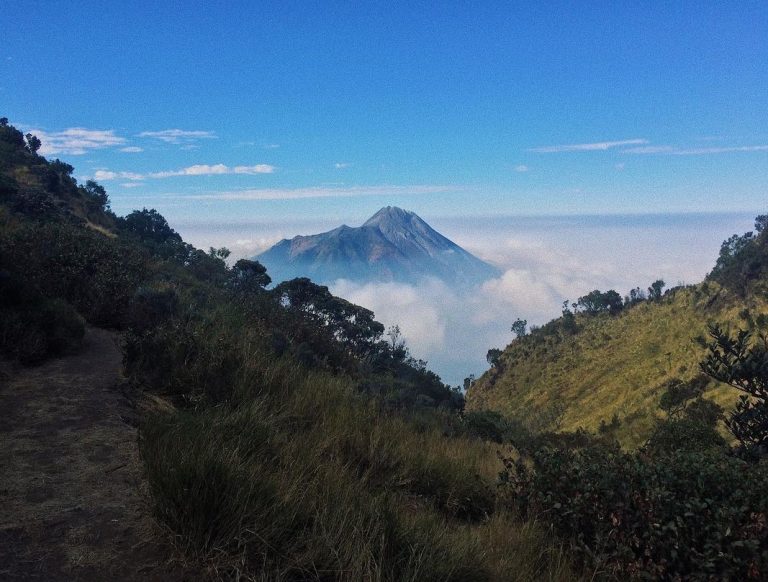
(296, 476)
(613, 365)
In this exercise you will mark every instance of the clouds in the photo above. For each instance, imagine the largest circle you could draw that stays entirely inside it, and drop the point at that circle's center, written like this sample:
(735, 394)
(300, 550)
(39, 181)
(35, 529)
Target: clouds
(643, 146)
(588, 147)
(76, 141)
(676, 151)
(214, 170)
(178, 136)
(324, 192)
(195, 170)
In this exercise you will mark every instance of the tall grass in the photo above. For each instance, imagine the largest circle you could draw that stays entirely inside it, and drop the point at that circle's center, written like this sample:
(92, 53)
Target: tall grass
(299, 477)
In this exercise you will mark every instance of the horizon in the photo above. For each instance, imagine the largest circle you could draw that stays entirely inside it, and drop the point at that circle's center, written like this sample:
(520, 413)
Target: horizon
(249, 124)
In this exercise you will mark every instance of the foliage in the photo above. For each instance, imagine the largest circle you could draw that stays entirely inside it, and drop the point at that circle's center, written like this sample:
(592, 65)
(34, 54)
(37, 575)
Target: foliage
(493, 356)
(94, 273)
(33, 328)
(596, 302)
(691, 515)
(734, 361)
(519, 327)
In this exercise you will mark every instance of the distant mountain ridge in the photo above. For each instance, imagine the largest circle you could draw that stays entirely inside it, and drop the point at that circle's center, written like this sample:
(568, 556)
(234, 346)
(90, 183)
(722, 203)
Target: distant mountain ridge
(393, 245)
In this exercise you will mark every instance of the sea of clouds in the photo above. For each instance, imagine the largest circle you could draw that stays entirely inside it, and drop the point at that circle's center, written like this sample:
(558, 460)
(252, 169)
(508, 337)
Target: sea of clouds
(544, 261)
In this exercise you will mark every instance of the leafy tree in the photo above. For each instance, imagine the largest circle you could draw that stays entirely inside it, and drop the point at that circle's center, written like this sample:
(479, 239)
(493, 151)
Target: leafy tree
(654, 291)
(33, 143)
(761, 222)
(249, 276)
(96, 193)
(397, 347)
(350, 324)
(519, 328)
(596, 302)
(149, 226)
(635, 296)
(493, 356)
(740, 363)
(221, 253)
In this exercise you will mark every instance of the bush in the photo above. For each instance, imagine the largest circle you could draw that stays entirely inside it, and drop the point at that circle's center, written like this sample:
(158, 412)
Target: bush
(689, 515)
(33, 328)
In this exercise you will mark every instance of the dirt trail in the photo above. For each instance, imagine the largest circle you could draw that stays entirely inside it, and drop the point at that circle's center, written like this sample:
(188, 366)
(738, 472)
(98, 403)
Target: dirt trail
(70, 477)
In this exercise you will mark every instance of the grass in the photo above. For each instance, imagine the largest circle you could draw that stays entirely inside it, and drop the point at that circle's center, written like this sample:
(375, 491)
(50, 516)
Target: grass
(615, 365)
(304, 479)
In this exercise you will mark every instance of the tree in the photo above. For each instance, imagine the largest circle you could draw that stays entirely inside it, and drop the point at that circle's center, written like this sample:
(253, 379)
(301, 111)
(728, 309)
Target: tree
(519, 327)
(221, 253)
(149, 226)
(493, 356)
(596, 301)
(654, 291)
(33, 143)
(347, 323)
(743, 364)
(249, 276)
(760, 223)
(397, 346)
(96, 193)
(468, 382)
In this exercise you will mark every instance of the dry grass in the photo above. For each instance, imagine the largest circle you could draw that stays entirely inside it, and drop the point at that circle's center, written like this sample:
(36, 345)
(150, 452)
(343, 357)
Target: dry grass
(613, 366)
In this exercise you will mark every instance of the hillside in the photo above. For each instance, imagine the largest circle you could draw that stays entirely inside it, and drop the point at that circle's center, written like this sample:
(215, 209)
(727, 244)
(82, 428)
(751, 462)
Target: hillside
(617, 365)
(392, 245)
(288, 439)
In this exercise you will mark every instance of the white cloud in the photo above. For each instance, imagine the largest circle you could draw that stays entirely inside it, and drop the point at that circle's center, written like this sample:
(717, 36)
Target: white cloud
(106, 175)
(341, 165)
(196, 170)
(587, 147)
(272, 146)
(131, 184)
(323, 192)
(620, 166)
(694, 151)
(215, 169)
(76, 141)
(132, 149)
(178, 135)
(521, 168)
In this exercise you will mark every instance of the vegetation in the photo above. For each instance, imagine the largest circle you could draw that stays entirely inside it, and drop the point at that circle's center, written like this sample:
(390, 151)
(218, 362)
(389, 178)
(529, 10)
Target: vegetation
(300, 440)
(296, 440)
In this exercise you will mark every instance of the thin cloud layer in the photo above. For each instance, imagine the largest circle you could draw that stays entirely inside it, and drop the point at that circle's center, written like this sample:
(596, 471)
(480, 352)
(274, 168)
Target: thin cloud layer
(671, 150)
(587, 147)
(76, 141)
(177, 136)
(323, 192)
(196, 170)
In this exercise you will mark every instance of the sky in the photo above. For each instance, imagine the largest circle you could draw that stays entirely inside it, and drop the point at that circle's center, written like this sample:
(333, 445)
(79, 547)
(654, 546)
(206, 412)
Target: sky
(246, 122)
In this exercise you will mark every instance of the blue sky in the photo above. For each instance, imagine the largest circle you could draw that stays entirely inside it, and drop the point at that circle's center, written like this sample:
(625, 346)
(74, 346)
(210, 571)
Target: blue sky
(246, 122)
(330, 110)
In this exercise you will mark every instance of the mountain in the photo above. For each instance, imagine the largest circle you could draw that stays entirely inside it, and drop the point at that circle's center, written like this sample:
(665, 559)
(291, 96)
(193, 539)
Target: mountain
(393, 245)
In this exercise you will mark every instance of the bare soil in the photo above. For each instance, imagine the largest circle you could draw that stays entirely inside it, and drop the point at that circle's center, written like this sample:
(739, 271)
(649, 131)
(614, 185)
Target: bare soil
(72, 501)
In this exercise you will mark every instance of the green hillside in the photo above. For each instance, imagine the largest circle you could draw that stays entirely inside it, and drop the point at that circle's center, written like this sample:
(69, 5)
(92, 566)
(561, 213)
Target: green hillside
(606, 366)
(283, 435)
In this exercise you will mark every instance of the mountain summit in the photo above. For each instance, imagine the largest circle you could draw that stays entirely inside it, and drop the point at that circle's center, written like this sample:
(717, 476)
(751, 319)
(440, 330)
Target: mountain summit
(392, 245)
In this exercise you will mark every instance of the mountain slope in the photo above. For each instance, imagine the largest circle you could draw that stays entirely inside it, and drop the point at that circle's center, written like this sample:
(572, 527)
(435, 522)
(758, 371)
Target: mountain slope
(567, 377)
(392, 245)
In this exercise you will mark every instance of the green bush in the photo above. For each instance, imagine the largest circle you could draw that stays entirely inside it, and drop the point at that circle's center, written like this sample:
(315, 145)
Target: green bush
(33, 328)
(686, 515)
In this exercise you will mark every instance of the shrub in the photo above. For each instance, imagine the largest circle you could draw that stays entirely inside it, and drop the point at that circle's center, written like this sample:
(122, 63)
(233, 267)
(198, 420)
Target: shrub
(690, 515)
